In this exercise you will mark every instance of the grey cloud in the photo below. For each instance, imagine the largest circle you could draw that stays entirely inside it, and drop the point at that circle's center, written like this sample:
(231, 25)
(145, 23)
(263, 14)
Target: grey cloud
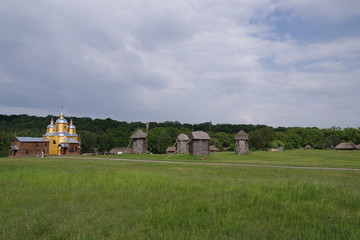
(134, 60)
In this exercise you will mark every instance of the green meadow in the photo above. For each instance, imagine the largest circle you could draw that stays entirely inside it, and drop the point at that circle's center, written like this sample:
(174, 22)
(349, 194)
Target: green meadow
(299, 158)
(91, 198)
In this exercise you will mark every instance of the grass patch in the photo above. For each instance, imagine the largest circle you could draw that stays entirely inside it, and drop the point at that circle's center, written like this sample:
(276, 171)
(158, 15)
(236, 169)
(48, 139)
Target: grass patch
(95, 199)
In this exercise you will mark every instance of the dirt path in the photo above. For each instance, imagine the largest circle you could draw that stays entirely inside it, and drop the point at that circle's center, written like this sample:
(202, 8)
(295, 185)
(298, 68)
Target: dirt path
(221, 164)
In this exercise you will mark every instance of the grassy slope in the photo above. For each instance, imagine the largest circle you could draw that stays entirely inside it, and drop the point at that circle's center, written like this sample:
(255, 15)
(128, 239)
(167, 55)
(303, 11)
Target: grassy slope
(95, 199)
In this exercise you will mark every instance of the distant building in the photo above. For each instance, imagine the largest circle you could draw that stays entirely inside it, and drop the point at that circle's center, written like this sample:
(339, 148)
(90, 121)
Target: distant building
(60, 139)
(242, 143)
(308, 147)
(120, 150)
(182, 144)
(139, 142)
(170, 150)
(214, 149)
(199, 144)
(346, 146)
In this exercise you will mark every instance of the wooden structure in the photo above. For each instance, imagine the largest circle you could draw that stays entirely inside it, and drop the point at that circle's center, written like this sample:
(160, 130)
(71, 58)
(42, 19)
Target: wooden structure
(170, 150)
(60, 139)
(120, 150)
(242, 143)
(182, 144)
(139, 143)
(29, 146)
(199, 144)
(308, 147)
(346, 146)
(214, 149)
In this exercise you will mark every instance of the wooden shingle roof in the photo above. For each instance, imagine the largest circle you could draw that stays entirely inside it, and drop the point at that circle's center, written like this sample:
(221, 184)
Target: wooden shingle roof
(241, 135)
(139, 134)
(199, 135)
(171, 149)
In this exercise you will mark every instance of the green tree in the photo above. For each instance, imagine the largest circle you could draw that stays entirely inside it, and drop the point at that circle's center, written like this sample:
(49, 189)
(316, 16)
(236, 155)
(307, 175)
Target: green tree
(260, 138)
(222, 140)
(160, 138)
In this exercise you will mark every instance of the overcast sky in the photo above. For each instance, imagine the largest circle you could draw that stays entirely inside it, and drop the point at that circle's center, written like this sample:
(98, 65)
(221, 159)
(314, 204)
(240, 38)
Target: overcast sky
(274, 62)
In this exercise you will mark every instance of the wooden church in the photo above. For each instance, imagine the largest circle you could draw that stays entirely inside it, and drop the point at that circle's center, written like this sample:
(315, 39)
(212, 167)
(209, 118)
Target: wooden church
(60, 139)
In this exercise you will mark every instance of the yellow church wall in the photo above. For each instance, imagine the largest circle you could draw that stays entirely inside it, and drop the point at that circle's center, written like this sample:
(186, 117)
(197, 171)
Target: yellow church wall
(61, 128)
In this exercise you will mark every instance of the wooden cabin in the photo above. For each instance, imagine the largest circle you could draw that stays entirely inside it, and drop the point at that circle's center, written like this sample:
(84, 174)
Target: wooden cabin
(139, 142)
(199, 144)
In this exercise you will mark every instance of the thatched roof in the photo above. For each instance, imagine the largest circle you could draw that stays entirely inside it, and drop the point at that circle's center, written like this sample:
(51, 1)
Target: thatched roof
(214, 149)
(308, 147)
(199, 135)
(182, 138)
(139, 134)
(241, 135)
(346, 146)
(170, 149)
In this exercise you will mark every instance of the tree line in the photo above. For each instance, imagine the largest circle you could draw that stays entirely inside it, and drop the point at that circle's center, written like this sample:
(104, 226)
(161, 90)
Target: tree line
(104, 134)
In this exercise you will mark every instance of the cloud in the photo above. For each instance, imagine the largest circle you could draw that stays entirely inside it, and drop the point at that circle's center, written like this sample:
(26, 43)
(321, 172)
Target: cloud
(189, 61)
(327, 10)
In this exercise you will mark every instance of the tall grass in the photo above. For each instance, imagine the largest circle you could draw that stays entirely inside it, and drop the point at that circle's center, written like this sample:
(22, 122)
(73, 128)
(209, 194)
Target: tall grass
(97, 199)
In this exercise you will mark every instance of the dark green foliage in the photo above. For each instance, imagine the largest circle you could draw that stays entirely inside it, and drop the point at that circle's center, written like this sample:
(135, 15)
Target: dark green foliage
(222, 140)
(260, 139)
(162, 137)
(104, 134)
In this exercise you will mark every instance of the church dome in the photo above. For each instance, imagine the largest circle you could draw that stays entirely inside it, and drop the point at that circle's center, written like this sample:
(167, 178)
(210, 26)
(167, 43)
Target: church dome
(71, 126)
(61, 119)
(51, 125)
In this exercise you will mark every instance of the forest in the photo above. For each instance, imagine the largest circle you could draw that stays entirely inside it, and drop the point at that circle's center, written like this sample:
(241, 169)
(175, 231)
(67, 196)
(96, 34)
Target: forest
(101, 135)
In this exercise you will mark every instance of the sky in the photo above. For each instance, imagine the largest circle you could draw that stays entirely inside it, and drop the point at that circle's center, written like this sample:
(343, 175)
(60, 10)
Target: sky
(274, 62)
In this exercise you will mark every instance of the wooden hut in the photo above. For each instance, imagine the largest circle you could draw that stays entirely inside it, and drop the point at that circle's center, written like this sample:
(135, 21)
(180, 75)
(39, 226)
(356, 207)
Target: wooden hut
(182, 143)
(199, 144)
(242, 143)
(120, 150)
(170, 150)
(346, 146)
(139, 144)
(214, 149)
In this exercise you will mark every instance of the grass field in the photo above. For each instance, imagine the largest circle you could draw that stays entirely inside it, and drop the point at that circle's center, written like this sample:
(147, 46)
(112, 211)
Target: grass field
(301, 158)
(78, 198)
